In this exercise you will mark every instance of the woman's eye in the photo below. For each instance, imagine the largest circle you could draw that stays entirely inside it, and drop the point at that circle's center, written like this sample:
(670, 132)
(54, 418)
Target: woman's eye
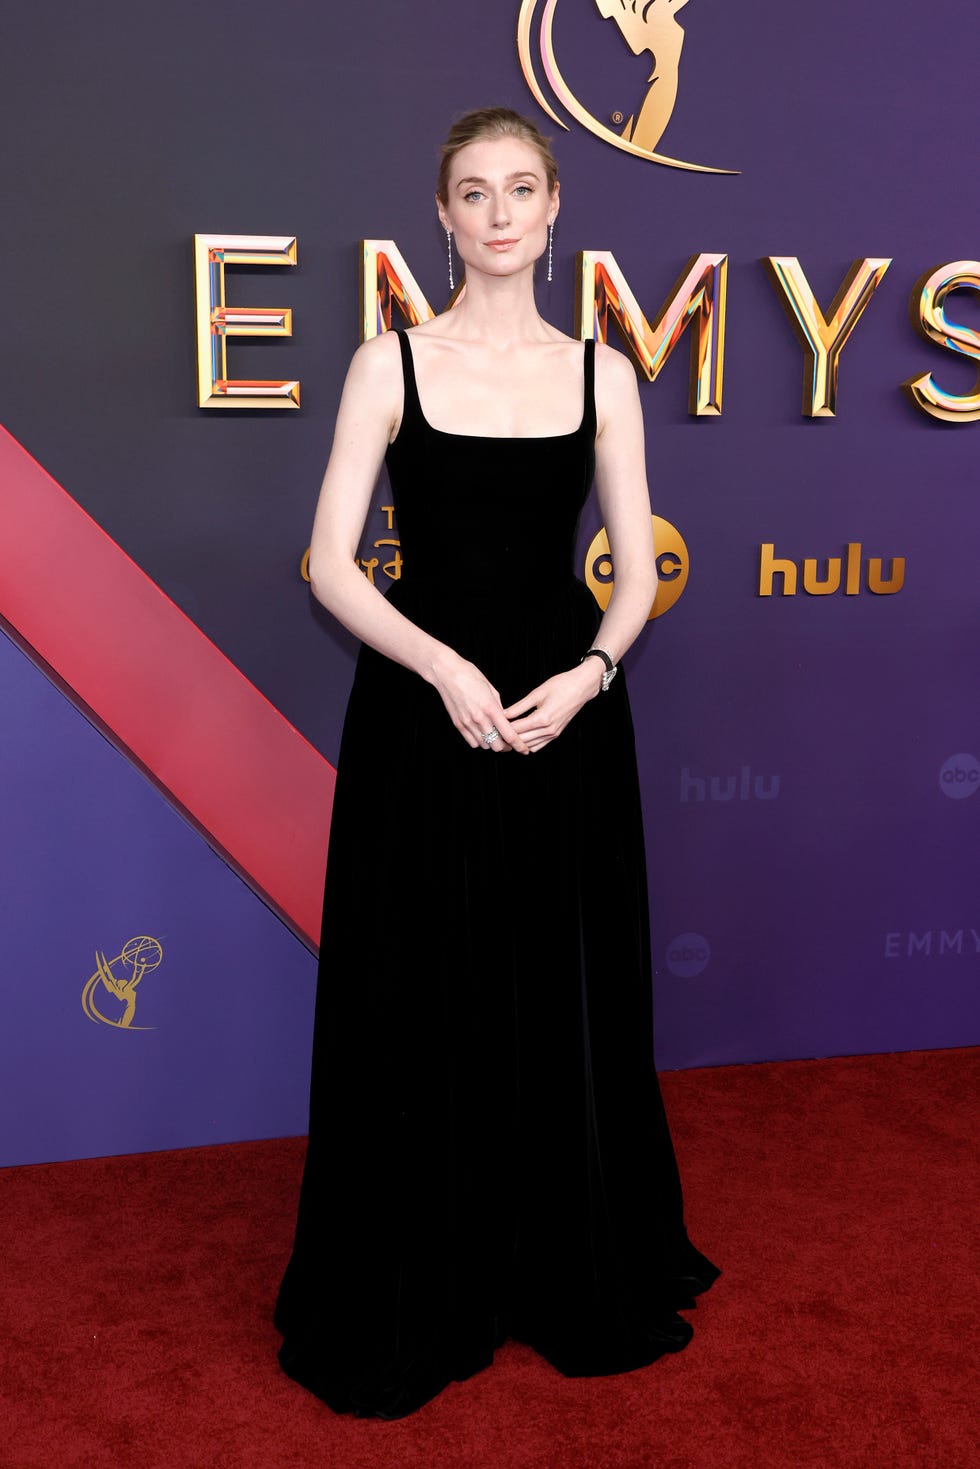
(473, 194)
(524, 188)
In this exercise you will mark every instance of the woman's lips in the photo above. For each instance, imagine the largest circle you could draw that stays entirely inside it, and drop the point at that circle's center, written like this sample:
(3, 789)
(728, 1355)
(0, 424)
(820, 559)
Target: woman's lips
(501, 245)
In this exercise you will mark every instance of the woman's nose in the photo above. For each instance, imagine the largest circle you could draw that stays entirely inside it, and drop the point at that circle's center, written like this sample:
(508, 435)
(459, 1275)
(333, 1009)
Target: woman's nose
(500, 212)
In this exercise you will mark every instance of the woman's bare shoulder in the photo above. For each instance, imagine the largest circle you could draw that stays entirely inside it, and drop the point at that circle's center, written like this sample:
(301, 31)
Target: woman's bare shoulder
(612, 363)
(616, 389)
(376, 350)
(373, 385)
(376, 363)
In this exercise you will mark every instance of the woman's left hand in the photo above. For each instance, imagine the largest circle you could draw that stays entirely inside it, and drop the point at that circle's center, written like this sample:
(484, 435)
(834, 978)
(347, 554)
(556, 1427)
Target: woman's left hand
(541, 716)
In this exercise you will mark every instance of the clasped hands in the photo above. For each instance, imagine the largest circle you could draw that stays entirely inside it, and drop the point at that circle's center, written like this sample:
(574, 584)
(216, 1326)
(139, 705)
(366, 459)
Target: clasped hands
(526, 726)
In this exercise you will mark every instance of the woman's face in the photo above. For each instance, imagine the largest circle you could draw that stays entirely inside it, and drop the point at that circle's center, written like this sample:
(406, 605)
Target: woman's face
(498, 205)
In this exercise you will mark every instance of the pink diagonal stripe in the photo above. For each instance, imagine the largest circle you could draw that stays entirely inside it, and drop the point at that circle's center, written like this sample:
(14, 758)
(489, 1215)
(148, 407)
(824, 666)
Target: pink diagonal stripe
(243, 773)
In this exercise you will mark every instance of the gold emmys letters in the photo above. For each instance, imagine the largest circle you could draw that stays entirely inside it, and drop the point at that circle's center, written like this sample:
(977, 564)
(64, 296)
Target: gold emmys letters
(699, 295)
(386, 281)
(216, 321)
(927, 309)
(697, 300)
(823, 339)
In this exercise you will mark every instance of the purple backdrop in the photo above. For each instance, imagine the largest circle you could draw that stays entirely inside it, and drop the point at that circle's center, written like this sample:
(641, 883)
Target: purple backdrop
(809, 763)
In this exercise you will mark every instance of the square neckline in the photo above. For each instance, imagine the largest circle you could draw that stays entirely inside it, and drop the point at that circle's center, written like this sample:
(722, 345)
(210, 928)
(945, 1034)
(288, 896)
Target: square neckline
(495, 438)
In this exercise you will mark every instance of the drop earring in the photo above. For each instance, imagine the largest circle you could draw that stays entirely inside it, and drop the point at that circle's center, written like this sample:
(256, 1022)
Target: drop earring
(551, 236)
(449, 249)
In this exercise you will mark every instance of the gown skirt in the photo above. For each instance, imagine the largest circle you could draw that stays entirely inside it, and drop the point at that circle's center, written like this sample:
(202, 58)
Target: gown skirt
(488, 1156)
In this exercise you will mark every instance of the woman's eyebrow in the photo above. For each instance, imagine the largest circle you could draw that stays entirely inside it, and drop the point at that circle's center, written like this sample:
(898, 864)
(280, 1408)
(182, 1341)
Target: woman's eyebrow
(520, 174)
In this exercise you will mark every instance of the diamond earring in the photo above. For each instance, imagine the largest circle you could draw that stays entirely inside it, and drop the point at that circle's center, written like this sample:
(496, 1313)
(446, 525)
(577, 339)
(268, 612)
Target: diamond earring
(449, 249)
(551, 236)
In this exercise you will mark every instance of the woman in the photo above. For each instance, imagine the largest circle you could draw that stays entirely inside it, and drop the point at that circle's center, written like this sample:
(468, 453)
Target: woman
(488, 1152)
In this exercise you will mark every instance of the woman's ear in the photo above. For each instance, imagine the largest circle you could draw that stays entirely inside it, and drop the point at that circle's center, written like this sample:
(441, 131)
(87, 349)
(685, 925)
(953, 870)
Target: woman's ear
(555, 203)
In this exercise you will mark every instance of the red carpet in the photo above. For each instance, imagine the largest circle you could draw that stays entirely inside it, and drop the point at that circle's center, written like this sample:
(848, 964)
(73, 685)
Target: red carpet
(839, 1197)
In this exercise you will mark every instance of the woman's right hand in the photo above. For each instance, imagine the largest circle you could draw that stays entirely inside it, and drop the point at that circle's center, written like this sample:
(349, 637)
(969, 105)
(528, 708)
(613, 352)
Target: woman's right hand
(473, 705)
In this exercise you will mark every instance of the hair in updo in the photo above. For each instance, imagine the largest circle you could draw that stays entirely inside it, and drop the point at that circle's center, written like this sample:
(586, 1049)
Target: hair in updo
(494, 122)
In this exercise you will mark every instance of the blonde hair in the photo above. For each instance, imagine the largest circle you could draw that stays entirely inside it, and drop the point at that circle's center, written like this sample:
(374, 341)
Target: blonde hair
(494, 122)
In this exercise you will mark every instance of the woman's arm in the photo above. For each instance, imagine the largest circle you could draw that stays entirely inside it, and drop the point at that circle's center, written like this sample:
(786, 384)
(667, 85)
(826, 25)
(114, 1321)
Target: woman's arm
(369, 409)
(624, 499)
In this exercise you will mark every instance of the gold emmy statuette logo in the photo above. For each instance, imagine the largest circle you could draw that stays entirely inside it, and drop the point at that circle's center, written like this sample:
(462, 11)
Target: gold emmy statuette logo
(651, 27)
(119, 978)
(673, 563)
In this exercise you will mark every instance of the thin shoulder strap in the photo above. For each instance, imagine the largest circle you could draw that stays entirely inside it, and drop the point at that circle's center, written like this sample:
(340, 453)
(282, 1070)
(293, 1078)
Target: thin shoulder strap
(411, 406)
(590, 414)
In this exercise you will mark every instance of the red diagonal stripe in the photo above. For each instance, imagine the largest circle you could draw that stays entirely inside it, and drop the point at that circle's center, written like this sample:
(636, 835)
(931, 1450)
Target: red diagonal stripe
(241, 771)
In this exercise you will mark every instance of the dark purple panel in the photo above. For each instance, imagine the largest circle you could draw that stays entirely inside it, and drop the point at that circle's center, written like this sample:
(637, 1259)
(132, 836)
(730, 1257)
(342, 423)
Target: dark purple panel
(92, 857)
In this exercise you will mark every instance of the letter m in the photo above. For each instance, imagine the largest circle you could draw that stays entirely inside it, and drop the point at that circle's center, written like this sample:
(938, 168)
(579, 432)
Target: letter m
(697, 300)
(386, 282)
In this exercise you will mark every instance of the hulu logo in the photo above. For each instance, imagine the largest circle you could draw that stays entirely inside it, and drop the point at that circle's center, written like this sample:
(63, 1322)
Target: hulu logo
(744, 786)
(847, 568)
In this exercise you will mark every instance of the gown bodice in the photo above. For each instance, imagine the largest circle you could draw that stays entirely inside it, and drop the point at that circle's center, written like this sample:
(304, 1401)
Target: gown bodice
(503, 511)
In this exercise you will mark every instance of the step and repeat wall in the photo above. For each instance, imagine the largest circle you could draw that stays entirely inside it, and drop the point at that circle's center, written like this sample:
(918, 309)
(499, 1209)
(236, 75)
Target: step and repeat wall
(777, 222)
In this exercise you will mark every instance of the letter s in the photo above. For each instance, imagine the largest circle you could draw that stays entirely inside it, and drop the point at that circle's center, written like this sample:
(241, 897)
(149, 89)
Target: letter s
(927, 309)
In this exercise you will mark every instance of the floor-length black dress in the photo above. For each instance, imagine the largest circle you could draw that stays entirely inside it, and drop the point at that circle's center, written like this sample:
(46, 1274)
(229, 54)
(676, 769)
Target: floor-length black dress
(488, 1152)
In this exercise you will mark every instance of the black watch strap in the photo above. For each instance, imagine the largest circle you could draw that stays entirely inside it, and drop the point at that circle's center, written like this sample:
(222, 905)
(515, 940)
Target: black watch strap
(599, 653)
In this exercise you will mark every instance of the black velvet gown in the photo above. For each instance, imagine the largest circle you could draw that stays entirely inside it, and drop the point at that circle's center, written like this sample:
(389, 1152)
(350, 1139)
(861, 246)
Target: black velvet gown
(488, 1152)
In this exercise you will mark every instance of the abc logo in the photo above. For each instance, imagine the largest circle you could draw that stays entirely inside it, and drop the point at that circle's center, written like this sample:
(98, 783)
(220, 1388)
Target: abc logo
(960, 776)
(687, 955)
(672, 566)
